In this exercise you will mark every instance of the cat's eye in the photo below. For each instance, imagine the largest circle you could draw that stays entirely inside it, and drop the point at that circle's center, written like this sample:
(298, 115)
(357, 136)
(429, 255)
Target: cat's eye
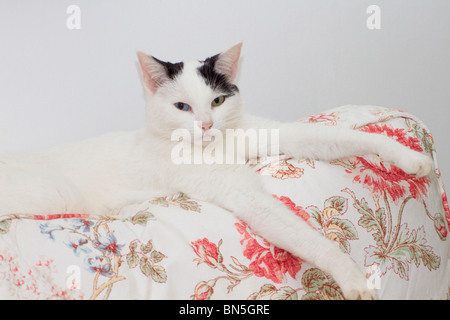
(182, 106)
(218, 101)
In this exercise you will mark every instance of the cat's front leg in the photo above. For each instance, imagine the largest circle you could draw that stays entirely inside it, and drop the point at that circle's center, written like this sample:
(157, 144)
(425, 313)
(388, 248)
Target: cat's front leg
(239, 190)
(300, 140)
(312, 141)
(410, 161)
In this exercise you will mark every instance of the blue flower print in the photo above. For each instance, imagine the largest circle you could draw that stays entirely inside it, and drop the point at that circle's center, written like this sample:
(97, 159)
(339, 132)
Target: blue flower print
(99, 264)
(78, 244)
(108, 244)
(48, 230)
(82, 224)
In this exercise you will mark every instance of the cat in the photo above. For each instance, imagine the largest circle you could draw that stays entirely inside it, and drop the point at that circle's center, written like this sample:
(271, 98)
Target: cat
(102, 174)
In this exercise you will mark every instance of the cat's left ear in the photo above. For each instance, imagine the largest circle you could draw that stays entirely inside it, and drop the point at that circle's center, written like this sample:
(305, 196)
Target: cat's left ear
(153, 72)
(228, 62)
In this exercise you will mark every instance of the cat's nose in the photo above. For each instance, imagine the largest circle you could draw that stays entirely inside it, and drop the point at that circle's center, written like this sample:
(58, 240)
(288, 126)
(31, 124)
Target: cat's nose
(206, 125)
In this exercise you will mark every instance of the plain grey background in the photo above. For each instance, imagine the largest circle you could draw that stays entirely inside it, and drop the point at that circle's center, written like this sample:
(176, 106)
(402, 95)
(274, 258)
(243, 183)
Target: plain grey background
(300, 57)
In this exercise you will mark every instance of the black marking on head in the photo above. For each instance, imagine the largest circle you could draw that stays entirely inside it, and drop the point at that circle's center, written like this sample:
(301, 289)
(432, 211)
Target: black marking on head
(172, 69)
(214, 79)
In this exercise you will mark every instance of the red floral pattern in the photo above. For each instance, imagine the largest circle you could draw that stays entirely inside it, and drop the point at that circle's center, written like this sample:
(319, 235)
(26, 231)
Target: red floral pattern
(446, 207)
(397, 134)
(299, 211)
(379, 178)
(282, 170)
(204, 290)
(267, 260)
(329, 118)
(207, 252)
(33, 282)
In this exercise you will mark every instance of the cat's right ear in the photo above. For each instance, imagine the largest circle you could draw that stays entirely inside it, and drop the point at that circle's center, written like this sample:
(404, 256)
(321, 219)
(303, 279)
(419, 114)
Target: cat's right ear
(228, 62)
(153, 73)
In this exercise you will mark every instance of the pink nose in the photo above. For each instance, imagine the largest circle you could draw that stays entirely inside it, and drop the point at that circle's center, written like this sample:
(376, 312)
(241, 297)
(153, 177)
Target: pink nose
(206, 125)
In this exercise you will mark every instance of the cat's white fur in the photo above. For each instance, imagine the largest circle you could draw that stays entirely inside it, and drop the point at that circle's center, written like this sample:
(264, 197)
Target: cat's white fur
(106, 173)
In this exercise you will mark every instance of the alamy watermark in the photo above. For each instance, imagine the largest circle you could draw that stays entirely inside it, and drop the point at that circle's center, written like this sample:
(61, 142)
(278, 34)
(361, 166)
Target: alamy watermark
(373, 22)
(236, 146)
(373, 276)
(73, 21)
(73, 281)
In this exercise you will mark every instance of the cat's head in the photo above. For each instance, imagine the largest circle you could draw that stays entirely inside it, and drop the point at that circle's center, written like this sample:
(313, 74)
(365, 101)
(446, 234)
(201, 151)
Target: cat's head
(192, 94)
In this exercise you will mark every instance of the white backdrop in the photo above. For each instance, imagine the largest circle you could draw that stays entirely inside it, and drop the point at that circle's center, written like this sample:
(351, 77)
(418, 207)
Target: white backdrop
(300, 57)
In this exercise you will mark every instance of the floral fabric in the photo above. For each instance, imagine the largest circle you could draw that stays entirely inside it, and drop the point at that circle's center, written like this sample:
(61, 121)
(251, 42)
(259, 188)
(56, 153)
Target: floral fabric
(395, 226)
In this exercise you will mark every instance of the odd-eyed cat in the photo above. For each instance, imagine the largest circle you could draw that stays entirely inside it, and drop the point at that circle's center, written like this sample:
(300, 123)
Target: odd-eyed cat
(105, 173)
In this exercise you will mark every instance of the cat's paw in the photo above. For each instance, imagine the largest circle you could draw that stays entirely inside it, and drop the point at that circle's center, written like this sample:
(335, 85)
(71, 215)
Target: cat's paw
(356, 288)
(415, 163)
(353, 282)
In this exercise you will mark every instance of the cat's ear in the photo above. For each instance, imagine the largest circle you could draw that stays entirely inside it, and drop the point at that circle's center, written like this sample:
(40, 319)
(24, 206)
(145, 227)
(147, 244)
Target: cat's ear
(228, 62)
(153, 73)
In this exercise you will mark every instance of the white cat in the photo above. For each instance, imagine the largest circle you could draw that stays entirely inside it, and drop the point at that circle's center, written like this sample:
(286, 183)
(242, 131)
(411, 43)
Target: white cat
(105, 173)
